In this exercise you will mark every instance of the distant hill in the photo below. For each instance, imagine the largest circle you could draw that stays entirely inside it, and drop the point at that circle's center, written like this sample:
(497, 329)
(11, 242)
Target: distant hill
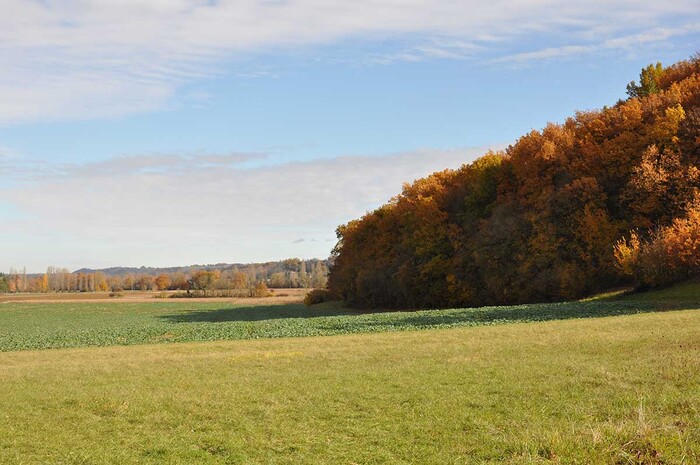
(149, 270)
(291, 264)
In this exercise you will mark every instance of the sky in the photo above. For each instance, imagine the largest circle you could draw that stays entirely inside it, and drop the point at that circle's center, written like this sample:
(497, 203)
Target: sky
(175, 132)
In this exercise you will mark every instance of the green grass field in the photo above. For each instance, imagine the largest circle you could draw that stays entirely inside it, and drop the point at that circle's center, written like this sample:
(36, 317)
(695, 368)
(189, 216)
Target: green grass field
(610, 382)
(82, 324)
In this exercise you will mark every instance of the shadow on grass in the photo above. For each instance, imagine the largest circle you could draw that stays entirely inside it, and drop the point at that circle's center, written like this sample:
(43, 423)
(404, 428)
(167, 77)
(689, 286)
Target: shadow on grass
(338, 320)
(518, 313)
(511, 314)
(253, 313)
(681, 294)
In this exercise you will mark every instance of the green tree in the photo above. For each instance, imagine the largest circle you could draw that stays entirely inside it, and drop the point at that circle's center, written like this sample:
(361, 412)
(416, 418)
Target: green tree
(648, 81)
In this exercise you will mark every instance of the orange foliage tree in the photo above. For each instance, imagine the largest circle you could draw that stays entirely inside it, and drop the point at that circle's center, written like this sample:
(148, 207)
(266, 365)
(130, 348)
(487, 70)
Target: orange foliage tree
(670, 254)
(538, 221)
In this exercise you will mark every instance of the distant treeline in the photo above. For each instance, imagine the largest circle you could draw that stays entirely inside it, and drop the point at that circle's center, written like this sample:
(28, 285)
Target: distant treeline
(290, 273)
(609, 197)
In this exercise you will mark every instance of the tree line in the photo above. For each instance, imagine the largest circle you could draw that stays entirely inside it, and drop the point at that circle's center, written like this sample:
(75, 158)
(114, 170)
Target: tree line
(237, 279)
(608, 197)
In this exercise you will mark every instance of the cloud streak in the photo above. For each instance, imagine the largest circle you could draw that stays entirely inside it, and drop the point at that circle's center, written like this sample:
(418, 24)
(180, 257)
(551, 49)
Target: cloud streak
(624, 42)
(204, 212)
(90, 58)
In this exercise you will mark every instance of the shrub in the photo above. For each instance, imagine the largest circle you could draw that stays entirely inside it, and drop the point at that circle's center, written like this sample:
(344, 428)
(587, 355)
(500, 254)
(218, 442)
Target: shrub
(670, 255)
(318, 296)
(627, 254)
(261, 290)
(116, 294)
(182, 295)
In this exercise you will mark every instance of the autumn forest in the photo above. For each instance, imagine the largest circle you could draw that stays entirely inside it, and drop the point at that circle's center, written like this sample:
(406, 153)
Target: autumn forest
(607, 198)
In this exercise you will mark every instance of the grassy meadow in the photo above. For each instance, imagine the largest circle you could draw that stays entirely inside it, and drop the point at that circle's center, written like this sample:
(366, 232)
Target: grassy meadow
(612, 381)
(50, 325)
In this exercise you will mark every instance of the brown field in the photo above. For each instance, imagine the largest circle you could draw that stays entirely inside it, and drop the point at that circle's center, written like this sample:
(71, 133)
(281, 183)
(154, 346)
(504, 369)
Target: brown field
(287, 296)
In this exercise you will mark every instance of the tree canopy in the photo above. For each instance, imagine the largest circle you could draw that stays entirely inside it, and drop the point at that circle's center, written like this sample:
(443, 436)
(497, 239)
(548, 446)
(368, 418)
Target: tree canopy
(539, 220)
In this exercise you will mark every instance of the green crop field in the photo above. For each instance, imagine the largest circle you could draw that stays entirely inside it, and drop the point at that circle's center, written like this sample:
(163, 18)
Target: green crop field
(81, 324)
(611, 381)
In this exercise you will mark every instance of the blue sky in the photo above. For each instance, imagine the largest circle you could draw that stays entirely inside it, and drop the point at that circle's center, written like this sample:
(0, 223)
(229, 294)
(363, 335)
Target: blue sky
(182, 131)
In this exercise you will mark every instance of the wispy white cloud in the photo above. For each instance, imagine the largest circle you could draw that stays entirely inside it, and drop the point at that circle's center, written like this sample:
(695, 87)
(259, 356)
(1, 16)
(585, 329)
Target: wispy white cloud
(16, 169)
(153, 163)
(545, 54)
(429, 48)
(618, 43)
(6, 153)
(657, 34)
(214, 209)
(91, 58)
